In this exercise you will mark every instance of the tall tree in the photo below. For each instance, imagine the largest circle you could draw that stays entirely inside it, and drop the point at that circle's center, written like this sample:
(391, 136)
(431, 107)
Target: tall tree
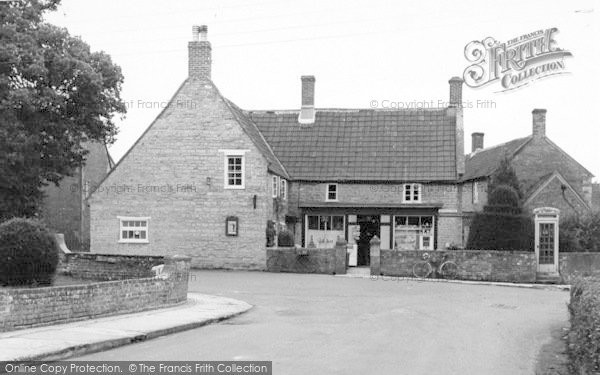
(55, 94)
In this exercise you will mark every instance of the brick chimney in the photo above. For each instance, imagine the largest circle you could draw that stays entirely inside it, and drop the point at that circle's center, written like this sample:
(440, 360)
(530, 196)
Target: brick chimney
(199, 53)
(539, 123)
(476, 141)
(307, 111)
(456, 91)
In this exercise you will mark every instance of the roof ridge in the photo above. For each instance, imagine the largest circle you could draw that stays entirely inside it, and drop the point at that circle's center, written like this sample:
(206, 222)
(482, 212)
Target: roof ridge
(349, 110)
(478, 151)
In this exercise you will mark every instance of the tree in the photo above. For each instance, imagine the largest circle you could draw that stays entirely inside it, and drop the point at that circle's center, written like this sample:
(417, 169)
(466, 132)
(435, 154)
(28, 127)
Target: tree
(505, 175)
(55, 95)
(502, 225)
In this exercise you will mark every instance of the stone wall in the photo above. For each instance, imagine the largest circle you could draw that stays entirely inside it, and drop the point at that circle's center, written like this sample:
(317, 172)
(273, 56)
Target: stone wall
(106, 267)
(31, 307)
(484, 265)
(572, 265)
(304, 260)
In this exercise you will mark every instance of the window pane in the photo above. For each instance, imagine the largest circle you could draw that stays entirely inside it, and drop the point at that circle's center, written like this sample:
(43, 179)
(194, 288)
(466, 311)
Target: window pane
(338, 223)
(332, 196)
(426, 221)
(124, 234)
(313, 222)
(143, 234)
(413, 220)
(143, 223)
(400, 220)
(325, 222)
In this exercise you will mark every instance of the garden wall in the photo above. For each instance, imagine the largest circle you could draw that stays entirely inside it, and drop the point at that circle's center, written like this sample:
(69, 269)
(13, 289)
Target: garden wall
(135, 290)
(573, 265)
(486, 265)
(307, 260)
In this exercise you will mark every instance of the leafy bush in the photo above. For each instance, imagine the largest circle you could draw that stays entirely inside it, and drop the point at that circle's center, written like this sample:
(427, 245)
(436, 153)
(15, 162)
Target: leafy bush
(28, 253)
(584, 336)
(580, 234)
(285, 239)
(505, 175)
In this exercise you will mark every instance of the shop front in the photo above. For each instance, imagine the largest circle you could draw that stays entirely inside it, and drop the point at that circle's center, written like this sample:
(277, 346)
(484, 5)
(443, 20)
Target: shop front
(402, 228)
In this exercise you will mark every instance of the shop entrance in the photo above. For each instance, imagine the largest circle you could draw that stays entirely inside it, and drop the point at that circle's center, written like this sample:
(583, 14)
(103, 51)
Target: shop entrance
(369, 227)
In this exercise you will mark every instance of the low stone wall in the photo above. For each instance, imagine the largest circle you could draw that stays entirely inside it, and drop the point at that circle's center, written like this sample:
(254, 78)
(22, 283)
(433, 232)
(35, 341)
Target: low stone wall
(307, 260)
(31, 307)
(572, 265)
(106, 267)
(484, 265)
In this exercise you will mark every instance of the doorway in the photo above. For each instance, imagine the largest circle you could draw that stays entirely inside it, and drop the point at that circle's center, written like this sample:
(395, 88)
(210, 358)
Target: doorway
(369, 227)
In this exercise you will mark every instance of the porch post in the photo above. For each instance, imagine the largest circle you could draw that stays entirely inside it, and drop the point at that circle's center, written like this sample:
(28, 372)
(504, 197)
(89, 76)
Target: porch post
(375, 250)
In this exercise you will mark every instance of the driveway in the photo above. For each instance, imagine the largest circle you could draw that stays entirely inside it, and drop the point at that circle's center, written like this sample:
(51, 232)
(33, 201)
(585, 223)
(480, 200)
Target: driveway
(319, 324)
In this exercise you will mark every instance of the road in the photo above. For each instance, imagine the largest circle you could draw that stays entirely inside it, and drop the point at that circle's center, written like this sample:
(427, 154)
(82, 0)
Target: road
(319, 324)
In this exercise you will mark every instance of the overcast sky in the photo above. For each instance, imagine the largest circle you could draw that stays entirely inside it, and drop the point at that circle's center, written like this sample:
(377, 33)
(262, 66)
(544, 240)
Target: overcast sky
(359, 51)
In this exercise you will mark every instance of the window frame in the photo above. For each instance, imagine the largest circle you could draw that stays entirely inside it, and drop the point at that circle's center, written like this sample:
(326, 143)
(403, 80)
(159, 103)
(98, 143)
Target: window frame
(275, 186)
(413, 188)
(134, 218)
(475, 192)
(234, 154)
(283, 188)
(327, 186)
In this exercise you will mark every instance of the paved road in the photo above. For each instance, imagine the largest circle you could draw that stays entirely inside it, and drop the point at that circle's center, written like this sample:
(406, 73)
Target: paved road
(318, 324)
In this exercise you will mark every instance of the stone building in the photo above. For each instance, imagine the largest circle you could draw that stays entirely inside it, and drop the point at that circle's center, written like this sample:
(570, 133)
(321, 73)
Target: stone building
(206, 176)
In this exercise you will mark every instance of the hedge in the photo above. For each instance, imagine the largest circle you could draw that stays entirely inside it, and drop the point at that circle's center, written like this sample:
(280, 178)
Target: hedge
(584, 336)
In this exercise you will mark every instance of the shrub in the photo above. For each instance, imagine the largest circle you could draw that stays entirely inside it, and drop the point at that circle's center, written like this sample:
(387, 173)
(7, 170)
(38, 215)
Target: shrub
(285, 239)
(505, 175)
(580, 233)
(500, 231)
(584, 336)
(501, 226)
(28, 253)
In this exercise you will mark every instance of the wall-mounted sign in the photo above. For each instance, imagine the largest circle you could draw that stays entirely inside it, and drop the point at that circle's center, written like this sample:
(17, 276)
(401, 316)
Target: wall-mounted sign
(231, 226)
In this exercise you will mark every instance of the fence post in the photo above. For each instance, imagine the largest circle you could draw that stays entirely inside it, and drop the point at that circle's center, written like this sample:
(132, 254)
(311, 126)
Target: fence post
(340, 256)
(375, 247)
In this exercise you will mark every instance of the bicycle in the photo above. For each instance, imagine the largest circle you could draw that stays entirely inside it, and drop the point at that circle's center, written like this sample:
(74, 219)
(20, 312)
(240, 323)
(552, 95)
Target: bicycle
(447, 269)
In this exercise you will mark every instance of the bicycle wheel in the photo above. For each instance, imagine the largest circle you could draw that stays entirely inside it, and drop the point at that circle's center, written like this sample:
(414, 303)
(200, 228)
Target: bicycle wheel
(449, 270)
(422, 270)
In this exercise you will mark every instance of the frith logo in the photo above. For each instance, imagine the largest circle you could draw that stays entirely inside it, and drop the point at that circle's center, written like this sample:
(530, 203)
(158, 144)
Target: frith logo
(515, 63)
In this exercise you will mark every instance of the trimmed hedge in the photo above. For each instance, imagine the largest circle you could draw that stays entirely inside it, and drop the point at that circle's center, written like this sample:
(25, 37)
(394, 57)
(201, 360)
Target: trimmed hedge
(28, 253)
(584, 336)
(497, 231)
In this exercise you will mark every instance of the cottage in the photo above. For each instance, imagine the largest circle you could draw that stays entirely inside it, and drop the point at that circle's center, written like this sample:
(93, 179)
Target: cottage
(204, 179)
(549, 177)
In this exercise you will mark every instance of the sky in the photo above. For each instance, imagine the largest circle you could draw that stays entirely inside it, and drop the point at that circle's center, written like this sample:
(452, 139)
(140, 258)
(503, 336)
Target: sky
(363, 54)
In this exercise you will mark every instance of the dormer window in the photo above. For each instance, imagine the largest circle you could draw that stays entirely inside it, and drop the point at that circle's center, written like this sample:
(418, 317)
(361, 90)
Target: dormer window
(332, 192)
(412, 193)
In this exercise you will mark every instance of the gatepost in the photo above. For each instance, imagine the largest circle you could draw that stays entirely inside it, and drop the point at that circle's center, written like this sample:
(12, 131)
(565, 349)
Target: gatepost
(375, 252)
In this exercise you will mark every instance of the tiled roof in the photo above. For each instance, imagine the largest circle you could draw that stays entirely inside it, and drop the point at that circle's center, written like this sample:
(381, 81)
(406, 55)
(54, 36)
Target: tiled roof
(484, 163)
(257, 138)
(363, 145)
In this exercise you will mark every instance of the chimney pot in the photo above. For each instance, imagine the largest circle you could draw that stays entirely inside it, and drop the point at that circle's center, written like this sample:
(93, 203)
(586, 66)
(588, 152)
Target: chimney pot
(199, 53)
(476, 141)
(539, 123)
